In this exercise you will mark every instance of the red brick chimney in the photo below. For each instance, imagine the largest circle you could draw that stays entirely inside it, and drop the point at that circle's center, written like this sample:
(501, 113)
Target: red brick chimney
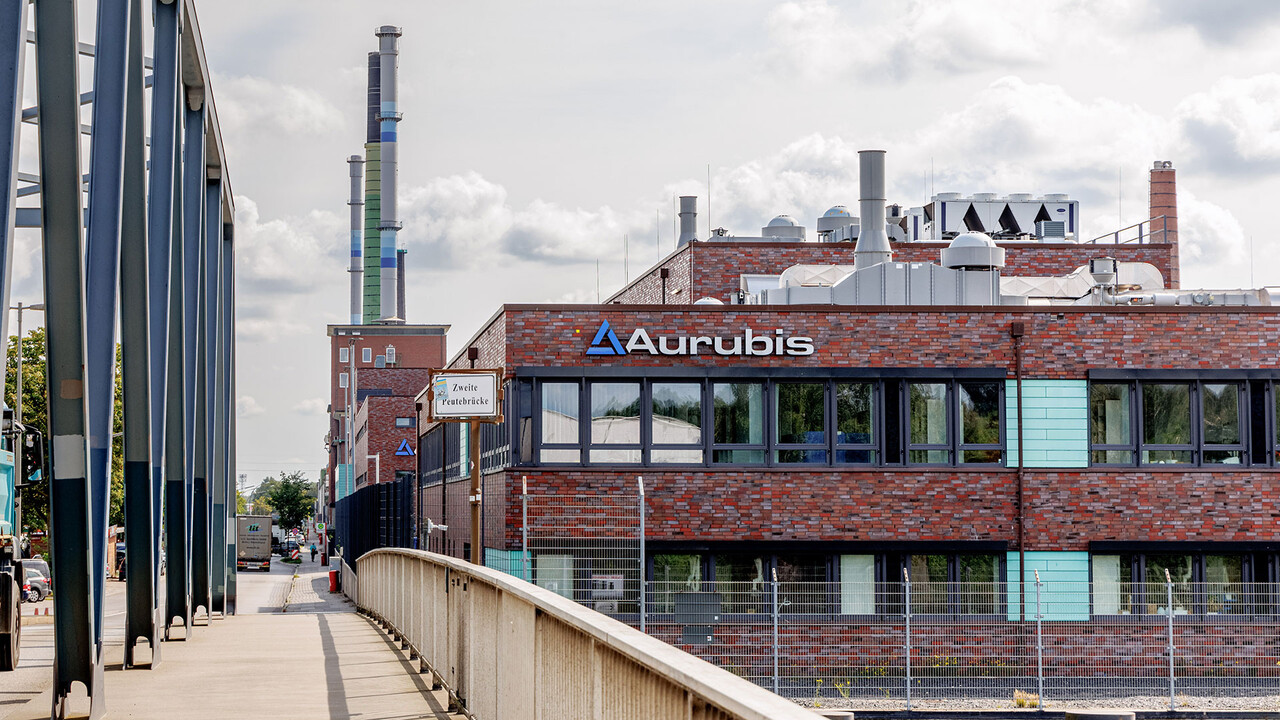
(1163, 201)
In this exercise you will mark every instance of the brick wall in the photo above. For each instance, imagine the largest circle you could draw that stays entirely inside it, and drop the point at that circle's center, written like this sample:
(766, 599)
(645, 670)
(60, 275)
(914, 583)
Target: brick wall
(377, 414)
(713, 269)
(1059, 343)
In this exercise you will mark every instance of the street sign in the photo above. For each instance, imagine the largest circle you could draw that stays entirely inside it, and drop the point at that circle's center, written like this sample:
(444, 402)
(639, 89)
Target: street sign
(319, 527)
(461, 395)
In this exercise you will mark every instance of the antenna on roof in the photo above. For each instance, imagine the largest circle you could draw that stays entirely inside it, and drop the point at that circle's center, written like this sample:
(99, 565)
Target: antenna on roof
(657, 232)
(597, 281)
(708, 200)
(626, 260)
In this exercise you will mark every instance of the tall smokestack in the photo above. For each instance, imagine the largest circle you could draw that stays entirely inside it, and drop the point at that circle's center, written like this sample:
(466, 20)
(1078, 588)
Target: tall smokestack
(372, 299)
(400, 283)
(388, 48)
(355, 166)
(873, 242)
(688, 220)
(1163, 202)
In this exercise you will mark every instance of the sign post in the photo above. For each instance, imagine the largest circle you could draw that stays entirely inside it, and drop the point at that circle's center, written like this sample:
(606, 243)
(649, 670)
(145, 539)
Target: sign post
(473, 397)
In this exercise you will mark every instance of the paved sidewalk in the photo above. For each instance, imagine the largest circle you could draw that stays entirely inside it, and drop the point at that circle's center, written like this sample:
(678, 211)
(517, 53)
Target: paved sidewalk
(317, 659)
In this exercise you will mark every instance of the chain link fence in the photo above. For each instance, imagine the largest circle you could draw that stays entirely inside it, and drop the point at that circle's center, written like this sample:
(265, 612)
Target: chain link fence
(917, 644)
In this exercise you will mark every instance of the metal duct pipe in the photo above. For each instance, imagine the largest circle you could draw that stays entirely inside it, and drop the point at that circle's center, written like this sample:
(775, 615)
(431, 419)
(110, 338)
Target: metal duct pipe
(400, 282)
(873, 242)
(688, 220)
(388, 49)
(371, 303)
(355, 165)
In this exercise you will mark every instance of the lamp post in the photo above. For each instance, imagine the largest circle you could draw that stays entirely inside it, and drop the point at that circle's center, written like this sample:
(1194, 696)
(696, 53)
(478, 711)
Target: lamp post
(17, 390)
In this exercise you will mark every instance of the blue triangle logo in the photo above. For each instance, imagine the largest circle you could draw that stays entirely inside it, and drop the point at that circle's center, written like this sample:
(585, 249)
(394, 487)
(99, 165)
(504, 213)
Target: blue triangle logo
(598, 345)
(405, 448)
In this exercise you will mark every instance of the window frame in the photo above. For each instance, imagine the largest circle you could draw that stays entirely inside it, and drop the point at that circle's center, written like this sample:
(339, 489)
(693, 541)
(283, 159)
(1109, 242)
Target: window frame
(777, 447)
(344, 355)
(642, 434)
(1197, 447)
(540, 445)
(646, 419)
(366, 354)
(1260, 572)
(766, 411)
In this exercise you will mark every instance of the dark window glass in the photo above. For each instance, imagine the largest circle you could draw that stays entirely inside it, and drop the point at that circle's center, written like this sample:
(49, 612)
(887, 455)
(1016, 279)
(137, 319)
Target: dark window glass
(800, 583)
(738, 420)
(1166, 420)
(1157, 589)
(930, 578)
(854, 422)
(1224, 588)
(927, 408)
(980, 421)
(976, 585)
(801, 420)
(1109, 422)
(1221, 403)
(615, 420)
(674, 574)
(740, 580)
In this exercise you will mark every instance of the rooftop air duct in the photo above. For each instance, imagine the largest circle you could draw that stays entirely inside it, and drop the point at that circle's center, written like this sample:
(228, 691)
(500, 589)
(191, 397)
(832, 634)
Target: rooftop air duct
(873, 241)
(688, 220)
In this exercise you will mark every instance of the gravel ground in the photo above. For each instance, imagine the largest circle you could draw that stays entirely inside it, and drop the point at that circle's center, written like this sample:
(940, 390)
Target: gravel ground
(1185, 702)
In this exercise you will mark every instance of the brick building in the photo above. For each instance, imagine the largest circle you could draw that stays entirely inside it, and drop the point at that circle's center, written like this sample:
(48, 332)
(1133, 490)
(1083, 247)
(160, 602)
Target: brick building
(376, 370)
(1100, 437)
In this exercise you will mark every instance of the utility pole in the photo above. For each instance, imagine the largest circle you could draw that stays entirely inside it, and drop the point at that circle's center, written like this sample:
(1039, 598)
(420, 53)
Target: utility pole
(17, 392)
(17, 419)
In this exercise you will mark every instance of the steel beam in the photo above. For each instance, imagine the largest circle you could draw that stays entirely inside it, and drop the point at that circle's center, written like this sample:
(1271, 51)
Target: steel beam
(76, 656)
(211, 358)
(13, 50)
(228, 361)
(102, 263)
(161, 218)
(139, 489)
(202, 496)
(176, 492)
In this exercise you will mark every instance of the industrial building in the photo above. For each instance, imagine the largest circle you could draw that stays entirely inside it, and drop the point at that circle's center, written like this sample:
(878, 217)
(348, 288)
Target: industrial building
(845, 407)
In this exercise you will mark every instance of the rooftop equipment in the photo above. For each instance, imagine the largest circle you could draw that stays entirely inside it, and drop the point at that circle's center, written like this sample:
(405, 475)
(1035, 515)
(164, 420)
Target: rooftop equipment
(873, 241)
(688, 220)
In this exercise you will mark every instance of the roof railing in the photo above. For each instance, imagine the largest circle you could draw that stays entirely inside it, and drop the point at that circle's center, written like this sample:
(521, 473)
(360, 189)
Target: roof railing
(1146, 232)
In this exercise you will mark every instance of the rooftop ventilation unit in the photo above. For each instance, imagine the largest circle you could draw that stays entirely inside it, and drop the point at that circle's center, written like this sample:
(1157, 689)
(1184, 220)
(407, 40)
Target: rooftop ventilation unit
(1055, 229)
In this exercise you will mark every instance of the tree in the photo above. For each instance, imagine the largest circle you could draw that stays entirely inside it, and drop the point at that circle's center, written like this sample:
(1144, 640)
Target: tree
(242, 505)
(293, 497)
(35, 414)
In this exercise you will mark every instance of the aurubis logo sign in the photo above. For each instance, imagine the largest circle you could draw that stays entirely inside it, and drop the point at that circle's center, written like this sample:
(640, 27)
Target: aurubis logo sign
(747, 343)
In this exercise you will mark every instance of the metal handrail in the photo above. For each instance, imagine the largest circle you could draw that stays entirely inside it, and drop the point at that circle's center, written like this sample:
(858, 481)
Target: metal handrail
(1140, 239)
(505, 648)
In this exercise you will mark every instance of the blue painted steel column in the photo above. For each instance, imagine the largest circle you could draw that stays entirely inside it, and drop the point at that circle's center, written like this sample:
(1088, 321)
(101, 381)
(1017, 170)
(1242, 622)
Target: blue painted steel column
(75, 653)
(183, 365)
(201, 520)
(162, 217)
(212, 360)
(177, 510)
(140, 496)
(13, 51)
(228, 360)
(102, 264)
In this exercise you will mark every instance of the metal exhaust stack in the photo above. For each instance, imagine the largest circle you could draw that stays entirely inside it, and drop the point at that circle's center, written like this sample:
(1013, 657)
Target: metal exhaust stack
(355, 164)
(688, 220)
(388, 226)
(371, 304)
(873, 242)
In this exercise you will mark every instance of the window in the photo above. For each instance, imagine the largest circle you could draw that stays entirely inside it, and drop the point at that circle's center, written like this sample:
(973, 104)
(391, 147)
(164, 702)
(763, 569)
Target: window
(676, 423)
(560, 432)
(673, 574)
(343, 380)
(1176, 423)
(800, 583)
(801, 423)
(946, 584)
(406, 422)
(615, 422)
(391, 354)
(739, 423)
(366, 355)
(857, 584)
(855, 437)
(928, 442)
(1213, 583)
(1110, 417)
(740, 580)
(344, 355)
(980, 422)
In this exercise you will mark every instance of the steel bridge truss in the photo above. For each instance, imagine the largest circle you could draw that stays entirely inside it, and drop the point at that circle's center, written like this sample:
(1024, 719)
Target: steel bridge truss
(148, 220)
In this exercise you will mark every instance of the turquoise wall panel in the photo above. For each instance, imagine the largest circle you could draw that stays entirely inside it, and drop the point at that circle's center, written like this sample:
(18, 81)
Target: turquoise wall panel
(1055, 423)
(1064, 594)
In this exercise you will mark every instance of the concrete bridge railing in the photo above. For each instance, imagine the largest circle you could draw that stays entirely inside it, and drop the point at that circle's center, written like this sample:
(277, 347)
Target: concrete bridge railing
(509, 650)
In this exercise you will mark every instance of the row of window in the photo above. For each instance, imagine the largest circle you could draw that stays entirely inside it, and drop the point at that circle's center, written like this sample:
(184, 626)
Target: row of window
(366, 355)
(776, 422)
(1184, 423)
(886, 422)
(940, 584)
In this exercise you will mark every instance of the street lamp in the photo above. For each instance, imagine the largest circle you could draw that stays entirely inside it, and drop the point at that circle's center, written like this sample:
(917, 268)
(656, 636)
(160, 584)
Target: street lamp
(17, 391)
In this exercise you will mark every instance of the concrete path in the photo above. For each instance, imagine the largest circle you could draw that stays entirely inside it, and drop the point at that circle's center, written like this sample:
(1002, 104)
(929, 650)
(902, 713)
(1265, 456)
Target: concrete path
(293, 651)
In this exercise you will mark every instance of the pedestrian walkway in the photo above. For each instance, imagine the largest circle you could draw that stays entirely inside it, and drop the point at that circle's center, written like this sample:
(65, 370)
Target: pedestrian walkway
(311, 657)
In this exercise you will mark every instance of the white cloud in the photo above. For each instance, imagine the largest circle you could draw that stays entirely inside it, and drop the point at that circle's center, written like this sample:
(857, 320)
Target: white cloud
(311, 406)
(1234, 127)
(247, 407)
(248, 104)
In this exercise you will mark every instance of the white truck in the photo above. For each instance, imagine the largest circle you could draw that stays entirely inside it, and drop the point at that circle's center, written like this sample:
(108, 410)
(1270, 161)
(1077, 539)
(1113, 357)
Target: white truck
(253, 542)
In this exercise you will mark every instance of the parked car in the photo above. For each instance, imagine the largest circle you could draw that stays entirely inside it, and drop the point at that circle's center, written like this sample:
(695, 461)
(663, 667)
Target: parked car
(42, 566)
(36, 585)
